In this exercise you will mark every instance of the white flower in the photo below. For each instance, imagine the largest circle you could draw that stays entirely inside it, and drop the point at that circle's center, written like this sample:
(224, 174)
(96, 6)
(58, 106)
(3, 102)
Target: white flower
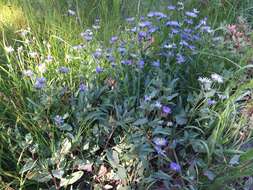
(24, 32)
(42, 68)
(9, 49)
(159, 141)
(68, 58)
(217, 78)
(158, 104)
(206, 82)
(28, 73)
(71, 12)
(222, 97)
(196, 11)
(33, 54)
(49, 59)
(20, 48)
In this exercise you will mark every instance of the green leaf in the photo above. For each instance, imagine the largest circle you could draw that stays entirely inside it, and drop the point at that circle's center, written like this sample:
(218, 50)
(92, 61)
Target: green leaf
(66, 127)
(247, 156)
(39, 176)
(71, 179)
(30, 164)
(162, 131)
(140, 121)
(161, 175)
(113, 158)
(181, 119)
(122, 174)
(169, 98)
(66, 146)
(86, 146)
(209, 174)
(234, 160)
(58, 173)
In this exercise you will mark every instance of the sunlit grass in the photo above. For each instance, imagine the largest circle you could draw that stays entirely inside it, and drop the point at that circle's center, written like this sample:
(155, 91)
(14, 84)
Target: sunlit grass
(12, 17)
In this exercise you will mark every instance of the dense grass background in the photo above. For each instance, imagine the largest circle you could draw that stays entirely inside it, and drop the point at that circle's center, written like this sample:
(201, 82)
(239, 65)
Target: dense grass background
(49, 20)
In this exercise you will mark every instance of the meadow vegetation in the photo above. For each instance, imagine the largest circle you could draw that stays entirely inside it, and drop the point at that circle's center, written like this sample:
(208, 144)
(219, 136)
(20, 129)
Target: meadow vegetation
(126, 94)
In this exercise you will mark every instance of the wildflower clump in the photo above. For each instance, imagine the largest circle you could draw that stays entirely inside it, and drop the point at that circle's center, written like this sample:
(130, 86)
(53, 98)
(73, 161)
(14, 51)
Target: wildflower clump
(125, 113)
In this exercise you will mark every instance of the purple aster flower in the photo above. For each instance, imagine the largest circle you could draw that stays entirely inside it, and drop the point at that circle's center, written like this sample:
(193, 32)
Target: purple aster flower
(122, 50)
(87, 35)
(184, 43)
(206, 29)
(156, 63)
(142, 18)
(82, 87)
(151, 14)
(174, 31)
(191, 14)
(159, 141)
(98, 53)
(196, 37)
(40, 83)
(202, 22)
(191, 47)
(159, 15)
(99, 69)
(145, 24)
(147, 98)
(211, 102)
(160, 151)
(130, 19)
(188, 31)
(186, 36)
(63, 70)
(111, 58)
(166, 110)
(173, 23)
(126, 62)
(113, 39)
(171, 7)
(175, 167)
(180, 59)
(58, 120)
(152, 29)
(141, 64)
(188, 21)
(142, 35)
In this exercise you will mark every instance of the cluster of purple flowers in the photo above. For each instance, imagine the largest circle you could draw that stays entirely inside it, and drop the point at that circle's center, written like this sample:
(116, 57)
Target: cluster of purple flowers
(159, 144)
(181, 37)
(82, 87)
(87, 35)
(63, 70)
(40, 83)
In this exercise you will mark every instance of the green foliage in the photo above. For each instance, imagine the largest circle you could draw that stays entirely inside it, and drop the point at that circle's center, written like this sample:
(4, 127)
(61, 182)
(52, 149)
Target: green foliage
(83, 128)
